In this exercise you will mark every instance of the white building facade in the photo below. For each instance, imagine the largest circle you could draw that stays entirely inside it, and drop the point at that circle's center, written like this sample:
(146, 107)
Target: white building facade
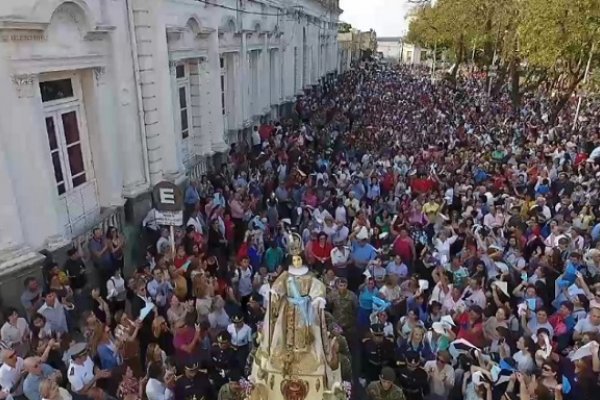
(390, 47)
(102, 99)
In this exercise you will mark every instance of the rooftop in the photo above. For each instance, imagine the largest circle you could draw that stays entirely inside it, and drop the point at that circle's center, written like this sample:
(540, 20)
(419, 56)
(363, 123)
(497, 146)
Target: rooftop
(389, 39)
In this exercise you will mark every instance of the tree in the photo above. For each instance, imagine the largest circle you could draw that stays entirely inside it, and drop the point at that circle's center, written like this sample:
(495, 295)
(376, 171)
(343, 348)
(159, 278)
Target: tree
(557, 37)
(450, 24)
(344, 27)
(529, 42)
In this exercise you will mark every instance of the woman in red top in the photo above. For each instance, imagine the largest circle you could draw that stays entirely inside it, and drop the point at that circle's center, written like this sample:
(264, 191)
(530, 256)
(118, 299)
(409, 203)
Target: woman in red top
(180, 257)
(322, 252)
(470, 326)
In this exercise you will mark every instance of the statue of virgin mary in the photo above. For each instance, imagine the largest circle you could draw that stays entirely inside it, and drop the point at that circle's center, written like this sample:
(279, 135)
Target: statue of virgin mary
(295, 351)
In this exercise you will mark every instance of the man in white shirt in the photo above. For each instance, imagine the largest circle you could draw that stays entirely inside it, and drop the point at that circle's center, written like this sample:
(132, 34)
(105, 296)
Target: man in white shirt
(340, 213)
(341, 232)
(241, 337)
(11, 373)
(340, 255)
(591, 324)
(55, 313)
(83, 374)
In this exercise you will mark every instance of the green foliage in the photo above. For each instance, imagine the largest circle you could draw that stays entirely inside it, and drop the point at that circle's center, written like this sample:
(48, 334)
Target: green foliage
(344, 27)
(535, 41)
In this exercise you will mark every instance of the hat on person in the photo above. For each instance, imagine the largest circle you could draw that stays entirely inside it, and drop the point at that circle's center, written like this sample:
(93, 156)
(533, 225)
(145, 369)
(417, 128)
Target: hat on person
(191, 366)
(412, 356)
(440, 327)
(78, 350)
(377, 329)
(256, 297)
(223, 337)
(387, 374)
(363, 234)
(234, 375)
(237, 318)
(461, 346)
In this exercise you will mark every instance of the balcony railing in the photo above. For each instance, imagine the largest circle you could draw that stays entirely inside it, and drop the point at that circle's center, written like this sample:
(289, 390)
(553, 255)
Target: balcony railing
(201, 167)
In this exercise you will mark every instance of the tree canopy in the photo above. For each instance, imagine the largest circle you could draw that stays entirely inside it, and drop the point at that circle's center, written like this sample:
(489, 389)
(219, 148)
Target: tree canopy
(344, 27)
(529, 42)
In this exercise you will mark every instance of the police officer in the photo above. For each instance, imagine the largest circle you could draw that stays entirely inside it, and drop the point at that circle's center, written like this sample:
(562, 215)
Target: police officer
(384, 388)
(223, 360)
(412, 377)
(378, 352)
(233, 389)
(241, 337)
(194, 384)
(255, 313)
(83, 374)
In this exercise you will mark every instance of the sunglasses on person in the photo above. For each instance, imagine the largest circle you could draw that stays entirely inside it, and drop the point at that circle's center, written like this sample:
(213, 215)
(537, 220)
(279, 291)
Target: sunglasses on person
(441, 360)
(547, 369)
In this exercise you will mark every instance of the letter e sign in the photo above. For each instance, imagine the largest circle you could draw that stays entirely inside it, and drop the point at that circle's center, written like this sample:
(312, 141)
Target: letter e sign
(167, 197)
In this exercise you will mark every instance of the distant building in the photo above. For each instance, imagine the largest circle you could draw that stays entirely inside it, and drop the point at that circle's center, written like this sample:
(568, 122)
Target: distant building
(390, 48)
(413, 54)
(354, 45)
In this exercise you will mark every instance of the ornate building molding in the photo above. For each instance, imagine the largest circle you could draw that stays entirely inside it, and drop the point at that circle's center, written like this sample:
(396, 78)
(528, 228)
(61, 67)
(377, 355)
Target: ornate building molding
(99, 75)
(172, 67)
(24, 85)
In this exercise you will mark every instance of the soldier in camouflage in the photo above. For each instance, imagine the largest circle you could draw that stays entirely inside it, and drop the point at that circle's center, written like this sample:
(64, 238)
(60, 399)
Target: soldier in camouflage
(344, 306)
(232, 390)
(384, 388)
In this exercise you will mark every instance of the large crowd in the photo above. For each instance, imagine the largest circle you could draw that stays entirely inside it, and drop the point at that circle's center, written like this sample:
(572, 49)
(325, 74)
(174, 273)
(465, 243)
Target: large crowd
(457, 238)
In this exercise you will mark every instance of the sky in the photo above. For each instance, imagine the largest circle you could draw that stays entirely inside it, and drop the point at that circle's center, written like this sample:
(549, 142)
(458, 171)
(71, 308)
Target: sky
(386, 17)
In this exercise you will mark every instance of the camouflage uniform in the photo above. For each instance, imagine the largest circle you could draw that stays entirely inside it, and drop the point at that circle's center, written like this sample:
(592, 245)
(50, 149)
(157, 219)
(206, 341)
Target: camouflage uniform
(227, 393)
(375, 392)
(344, 308)
(344, 349)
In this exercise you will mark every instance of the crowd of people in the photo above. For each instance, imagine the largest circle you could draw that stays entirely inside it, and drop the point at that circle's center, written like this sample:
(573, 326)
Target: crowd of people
(457, 238)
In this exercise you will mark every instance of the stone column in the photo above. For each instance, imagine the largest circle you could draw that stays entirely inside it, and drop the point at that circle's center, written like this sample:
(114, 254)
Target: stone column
(264, 81)
(103, 130)
(144, 21)
(206, 123)
(28, 161)
(164, 75)
(237, 86)
(245, 82)
(176, 114)
(13, 251)
(201, 139)
(213, 103)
